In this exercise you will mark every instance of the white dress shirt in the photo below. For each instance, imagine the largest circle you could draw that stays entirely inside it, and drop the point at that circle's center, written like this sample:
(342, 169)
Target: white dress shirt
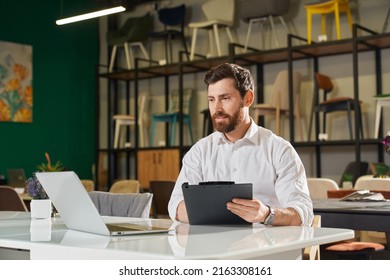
(262, 158)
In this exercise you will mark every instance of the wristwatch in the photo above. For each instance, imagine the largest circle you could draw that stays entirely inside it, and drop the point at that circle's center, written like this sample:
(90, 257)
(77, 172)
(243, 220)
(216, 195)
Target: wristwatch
(270, 218)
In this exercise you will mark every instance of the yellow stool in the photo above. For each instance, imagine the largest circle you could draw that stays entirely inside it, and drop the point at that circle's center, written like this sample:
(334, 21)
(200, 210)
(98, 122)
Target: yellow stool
(324, 8)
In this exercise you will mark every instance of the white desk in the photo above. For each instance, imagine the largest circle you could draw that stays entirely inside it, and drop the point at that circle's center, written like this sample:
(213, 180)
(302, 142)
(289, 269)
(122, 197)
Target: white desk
(183, 242)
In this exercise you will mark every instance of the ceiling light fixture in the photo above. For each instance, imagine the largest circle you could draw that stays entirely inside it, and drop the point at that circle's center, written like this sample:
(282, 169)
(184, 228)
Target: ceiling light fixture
(91, 15)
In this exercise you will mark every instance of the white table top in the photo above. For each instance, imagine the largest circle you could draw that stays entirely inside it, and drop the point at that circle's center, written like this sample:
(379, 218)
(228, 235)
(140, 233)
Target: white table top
(18, 230)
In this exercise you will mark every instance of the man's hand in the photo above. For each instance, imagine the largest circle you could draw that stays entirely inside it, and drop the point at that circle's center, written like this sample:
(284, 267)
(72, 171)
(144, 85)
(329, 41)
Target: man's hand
(181, 213)
(252, 211)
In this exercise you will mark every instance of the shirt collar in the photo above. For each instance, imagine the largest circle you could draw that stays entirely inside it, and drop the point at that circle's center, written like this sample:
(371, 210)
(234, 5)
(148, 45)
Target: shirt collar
(250, 135)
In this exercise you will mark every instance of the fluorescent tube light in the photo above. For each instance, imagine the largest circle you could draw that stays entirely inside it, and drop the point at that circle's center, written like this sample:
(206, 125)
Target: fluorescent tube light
(91, 15)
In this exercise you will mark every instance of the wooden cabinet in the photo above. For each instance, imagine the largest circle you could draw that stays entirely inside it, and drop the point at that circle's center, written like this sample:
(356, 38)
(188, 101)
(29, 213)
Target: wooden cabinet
(157, 164)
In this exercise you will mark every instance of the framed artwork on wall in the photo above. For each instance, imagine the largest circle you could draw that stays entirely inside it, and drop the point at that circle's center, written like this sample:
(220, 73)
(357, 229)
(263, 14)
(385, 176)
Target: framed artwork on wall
(16, 90)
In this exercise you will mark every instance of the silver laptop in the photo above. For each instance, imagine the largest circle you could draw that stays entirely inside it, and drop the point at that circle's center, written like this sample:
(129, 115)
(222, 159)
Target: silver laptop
(78, 212)
(16, 177)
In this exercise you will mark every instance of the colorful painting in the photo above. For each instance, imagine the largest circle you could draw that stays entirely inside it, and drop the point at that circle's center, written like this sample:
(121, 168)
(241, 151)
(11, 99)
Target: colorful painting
(16, 92)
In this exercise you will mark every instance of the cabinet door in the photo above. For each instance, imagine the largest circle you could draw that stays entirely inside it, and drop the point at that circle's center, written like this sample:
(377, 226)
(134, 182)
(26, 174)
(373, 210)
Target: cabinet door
(161, 164)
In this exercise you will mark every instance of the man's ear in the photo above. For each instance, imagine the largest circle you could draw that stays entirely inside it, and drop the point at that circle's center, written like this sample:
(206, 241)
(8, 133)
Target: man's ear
(249, 98)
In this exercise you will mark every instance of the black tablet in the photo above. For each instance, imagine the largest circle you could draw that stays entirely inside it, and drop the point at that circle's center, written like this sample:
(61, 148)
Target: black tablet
(206, 202)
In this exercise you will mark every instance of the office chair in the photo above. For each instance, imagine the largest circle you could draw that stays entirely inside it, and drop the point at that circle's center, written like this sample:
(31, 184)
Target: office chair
(10, 200)
(265, 10)
(125, 186)
(172, 116)
(89, 185)
(318, 187)
(161, 191)
(279, 103)
(323, 83)
(132, 34)
(122, 205)
(219, 14)
(324, 8)
(170, 18)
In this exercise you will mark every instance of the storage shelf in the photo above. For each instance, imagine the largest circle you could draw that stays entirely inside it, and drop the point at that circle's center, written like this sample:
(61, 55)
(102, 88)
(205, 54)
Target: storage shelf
(357, 44)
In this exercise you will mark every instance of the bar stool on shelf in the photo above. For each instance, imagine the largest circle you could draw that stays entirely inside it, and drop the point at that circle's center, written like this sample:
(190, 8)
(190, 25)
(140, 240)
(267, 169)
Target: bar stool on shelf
(124, 120)
(172, 116)
(324, 8)
(266, 10)
(219, 14)
(132, 34)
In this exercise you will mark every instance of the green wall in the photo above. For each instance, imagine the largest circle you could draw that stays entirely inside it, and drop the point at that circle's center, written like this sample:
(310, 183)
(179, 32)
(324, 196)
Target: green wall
(65, 60)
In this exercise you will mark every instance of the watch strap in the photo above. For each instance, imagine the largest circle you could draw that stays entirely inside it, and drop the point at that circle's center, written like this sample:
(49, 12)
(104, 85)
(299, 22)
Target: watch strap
(270, 217)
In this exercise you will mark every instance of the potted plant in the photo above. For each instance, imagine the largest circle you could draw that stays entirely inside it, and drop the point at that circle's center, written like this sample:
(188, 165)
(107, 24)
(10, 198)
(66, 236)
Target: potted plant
(347, 181)
(40, 205)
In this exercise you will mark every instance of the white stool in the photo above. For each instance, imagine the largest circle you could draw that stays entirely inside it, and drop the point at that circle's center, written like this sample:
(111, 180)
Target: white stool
(121, 120)
(381, 101)
(128, 53)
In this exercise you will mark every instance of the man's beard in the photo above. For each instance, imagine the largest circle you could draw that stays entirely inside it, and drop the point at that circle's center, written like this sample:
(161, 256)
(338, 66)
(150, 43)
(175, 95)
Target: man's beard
(233, 121)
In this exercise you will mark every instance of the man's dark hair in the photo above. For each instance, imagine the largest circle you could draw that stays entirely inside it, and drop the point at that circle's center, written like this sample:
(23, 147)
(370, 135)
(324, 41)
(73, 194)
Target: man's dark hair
(243, 80)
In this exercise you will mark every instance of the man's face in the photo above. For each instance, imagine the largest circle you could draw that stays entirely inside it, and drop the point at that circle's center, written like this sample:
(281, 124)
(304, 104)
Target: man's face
(225, 104)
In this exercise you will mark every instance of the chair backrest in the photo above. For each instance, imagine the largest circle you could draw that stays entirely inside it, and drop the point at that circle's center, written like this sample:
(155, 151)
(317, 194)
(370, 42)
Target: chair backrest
(355, 171)
(263, 8)
(135, 29)
(280, 93)
(125, 186)
(122, 205)
(219, 10)
(370, 183)
(172, 16)
(10, 200)
(174, 104)
(324, 83)
(89, 185)
(318, 187)
(161, 191)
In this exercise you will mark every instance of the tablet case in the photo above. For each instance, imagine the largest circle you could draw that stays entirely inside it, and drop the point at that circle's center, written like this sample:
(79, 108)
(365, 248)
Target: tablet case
(206, 202)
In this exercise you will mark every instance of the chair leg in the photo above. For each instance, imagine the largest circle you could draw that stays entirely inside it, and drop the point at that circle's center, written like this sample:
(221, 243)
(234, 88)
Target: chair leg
(183, 39)
(152, 132)
(193, 43)
(337, 19)
(377, 117)
(350, 121)
(309, 21)
(311, 121)
(271, 20)
(324, 123)
(113, 53)
(361, 123)
(126, 47)
(143, 50)
(216, 35)
(248, 33)
(117, 132)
